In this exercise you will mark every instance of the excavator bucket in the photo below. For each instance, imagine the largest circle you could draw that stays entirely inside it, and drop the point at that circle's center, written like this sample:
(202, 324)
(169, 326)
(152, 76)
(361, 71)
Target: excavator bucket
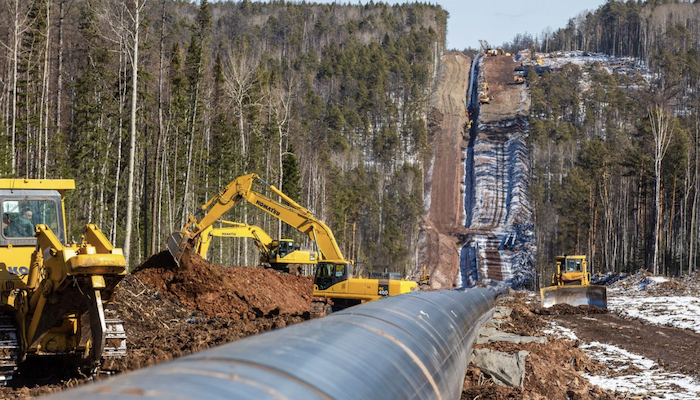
(177, 244)
(575, 295)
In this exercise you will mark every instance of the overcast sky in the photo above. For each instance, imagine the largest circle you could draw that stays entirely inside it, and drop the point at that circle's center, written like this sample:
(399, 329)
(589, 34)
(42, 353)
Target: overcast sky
(498, 21)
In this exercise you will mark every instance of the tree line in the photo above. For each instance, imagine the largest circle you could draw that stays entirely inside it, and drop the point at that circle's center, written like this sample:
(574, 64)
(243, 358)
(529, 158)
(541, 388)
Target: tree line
(153, 106)
(616, 154)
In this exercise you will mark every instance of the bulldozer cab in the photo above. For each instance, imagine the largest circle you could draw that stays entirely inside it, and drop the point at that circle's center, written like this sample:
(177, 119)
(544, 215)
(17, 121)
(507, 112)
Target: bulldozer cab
(571, 270)
(23, 209)
(20, 214)
(328, 274)
(571, 265)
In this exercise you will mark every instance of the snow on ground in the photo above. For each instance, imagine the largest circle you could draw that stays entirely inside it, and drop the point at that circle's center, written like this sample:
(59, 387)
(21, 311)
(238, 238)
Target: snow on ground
(676, 311)
(630, 374)
(634, 374)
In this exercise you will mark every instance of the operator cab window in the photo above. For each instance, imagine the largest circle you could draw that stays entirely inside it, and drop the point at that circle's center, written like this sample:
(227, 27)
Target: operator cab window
(20, 216)
(573, 265)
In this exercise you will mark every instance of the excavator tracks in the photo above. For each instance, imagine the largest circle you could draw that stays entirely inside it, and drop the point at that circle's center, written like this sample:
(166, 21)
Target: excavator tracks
(9, 349)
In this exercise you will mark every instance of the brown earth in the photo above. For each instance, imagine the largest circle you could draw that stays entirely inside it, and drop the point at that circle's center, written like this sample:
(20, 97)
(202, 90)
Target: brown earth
(170, 312)
(448, 138)
(553, 368)
(504, 93)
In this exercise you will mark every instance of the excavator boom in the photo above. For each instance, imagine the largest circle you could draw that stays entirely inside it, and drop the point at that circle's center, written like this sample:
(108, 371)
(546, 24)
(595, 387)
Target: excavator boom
(289, 212)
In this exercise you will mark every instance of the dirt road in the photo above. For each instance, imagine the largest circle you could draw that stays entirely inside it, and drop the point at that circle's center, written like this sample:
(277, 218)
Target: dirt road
(446, 130)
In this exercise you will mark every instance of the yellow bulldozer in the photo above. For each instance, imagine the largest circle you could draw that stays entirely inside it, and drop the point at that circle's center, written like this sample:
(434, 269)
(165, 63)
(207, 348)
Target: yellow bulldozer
(52, 293)
(571, 284)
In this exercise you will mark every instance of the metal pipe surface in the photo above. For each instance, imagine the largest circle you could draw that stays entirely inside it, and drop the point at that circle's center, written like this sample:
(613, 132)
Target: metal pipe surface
(412, 346)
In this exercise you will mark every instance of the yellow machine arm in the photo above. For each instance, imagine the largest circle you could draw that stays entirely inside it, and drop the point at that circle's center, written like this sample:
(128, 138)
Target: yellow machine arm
(301, 219)
(263, 241)
(289, 212)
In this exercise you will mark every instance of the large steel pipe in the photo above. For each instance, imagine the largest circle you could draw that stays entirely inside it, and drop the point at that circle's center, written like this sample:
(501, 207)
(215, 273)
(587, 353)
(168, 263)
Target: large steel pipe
(413, 346)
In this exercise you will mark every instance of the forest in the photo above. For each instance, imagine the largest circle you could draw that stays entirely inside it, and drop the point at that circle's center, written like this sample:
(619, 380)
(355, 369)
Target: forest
(153, 106)
(616, 154)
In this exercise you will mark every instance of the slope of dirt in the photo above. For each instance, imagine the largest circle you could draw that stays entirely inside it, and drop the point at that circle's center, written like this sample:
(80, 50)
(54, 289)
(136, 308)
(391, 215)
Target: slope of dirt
(448, 138)
(169, 312)
(233, 292)
(498, 205)
(505, 95)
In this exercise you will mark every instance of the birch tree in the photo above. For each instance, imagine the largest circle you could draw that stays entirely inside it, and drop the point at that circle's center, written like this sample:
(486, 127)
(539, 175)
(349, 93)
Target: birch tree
(662, 130)
(20, 22)
(126, 28)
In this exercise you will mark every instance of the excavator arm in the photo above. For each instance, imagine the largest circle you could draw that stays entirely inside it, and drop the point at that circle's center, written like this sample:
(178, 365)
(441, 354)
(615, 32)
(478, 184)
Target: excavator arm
(263, 241)
(216, 207)
(300, 219)
(289, 212)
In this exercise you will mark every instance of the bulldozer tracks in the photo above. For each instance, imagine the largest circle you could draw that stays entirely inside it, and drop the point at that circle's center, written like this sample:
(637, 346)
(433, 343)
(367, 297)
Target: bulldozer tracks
(9, 349)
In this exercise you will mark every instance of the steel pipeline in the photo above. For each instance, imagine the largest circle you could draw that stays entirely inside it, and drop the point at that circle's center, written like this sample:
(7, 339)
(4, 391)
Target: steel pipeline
(412, 346)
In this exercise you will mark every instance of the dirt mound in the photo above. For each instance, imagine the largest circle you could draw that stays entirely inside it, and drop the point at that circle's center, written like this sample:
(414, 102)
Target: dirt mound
(567, 309)
(552, 372)
(232, 292)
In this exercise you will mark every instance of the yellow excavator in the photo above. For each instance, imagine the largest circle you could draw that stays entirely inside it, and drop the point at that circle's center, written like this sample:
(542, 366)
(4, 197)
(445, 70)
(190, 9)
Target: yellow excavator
(333, 279)
(51, 293)
(571, 284)
(484, 94)
(277, 254)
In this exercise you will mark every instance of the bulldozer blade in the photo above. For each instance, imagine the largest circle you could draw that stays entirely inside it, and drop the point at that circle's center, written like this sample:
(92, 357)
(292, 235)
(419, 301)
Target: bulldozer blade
(177, 244)
(575, 295)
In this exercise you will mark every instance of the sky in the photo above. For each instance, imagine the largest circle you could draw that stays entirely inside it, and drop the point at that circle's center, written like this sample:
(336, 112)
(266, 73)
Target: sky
(498, 21)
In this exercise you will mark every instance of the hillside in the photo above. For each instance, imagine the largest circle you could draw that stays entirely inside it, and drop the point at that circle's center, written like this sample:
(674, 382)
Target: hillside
(328, 102)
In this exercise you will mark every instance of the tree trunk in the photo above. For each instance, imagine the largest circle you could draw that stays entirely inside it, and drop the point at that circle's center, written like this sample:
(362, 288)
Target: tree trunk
(132, 139)
(59, 73)
(155, 220)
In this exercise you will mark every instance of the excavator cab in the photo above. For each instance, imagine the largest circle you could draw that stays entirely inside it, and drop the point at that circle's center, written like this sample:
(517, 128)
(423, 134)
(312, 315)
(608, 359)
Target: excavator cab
(283, 247)
(328, 274)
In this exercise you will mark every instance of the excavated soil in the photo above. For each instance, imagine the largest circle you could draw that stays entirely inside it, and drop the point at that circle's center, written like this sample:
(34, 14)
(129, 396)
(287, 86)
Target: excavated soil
(552, 369)
(170, 312)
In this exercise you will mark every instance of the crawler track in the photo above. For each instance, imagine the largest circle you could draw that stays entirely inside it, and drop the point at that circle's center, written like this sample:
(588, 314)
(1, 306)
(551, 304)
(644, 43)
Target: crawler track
(9, 349)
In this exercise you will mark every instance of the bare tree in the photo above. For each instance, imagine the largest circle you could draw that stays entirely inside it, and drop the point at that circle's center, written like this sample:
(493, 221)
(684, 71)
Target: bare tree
(159, 140)
(19, 24)
(127, 29)
(240, 77)
(662, 131)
